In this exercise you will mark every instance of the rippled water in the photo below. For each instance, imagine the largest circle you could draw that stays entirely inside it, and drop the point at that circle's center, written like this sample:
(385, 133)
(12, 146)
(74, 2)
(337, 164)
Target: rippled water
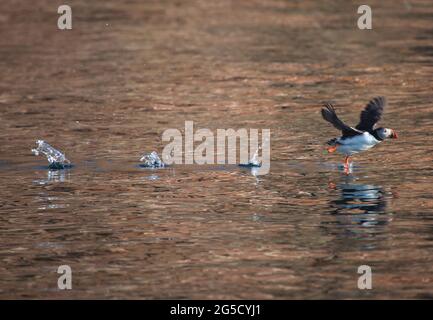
(104, 93)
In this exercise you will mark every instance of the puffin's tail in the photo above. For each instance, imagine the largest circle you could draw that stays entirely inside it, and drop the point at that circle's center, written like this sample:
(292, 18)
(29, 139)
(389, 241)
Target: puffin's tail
(332, 142)
(333, 145)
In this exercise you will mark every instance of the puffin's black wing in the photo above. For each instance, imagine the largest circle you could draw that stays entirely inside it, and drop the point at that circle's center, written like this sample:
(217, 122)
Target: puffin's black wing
(371, 114)
(328, 113)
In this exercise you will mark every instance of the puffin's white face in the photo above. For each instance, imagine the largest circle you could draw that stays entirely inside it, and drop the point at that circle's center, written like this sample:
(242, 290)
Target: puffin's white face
(385, 133)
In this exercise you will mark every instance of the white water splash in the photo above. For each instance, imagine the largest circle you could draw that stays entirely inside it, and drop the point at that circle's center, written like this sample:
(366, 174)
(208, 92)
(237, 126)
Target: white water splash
(255, 161)
(55, 158)
(152, 160)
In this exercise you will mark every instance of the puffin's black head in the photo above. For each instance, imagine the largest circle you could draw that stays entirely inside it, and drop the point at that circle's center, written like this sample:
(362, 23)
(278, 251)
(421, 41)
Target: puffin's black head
(385, 133)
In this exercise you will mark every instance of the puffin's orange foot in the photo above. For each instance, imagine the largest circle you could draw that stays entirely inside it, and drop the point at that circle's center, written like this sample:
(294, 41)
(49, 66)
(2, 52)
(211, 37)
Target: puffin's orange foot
(346, 170)
(346, 166)
(332, 149)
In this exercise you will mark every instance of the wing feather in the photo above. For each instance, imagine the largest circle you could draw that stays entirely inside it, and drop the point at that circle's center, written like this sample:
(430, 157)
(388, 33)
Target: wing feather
(329, 114)
(371, 114)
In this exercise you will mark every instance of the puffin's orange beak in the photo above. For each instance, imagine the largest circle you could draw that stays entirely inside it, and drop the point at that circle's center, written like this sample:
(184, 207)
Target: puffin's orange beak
(394, 135)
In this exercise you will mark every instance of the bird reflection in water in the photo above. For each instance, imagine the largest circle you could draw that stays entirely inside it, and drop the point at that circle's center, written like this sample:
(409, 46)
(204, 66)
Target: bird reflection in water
(361, 210)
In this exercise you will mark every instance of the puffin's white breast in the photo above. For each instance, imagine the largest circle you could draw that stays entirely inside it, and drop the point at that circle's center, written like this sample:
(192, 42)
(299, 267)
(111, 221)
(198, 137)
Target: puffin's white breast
(356, 144)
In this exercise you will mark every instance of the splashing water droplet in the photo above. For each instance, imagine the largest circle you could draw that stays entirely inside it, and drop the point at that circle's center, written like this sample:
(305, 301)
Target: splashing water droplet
(56, 159)
(255, 161)
(152, 160)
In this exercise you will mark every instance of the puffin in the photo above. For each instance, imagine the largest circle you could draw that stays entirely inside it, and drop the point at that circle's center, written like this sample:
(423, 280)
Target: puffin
(362, 137)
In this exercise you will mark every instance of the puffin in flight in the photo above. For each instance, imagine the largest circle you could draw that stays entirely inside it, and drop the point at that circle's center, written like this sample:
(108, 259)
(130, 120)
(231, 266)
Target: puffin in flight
(364, 136)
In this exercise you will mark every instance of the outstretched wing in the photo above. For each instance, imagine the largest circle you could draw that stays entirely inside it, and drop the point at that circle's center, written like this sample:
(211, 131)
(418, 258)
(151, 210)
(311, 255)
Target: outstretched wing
(371, 114)
(328, 113)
